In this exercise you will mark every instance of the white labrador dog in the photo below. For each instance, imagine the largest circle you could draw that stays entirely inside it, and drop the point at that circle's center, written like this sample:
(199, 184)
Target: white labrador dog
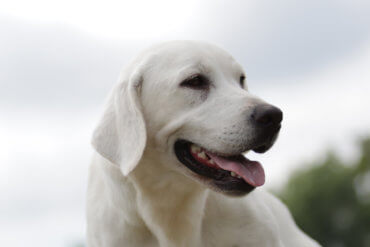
(169, 169)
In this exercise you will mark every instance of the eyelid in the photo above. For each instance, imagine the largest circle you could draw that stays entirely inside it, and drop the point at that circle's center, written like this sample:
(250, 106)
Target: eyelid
(189, 78)
(204, 81)
(193, 76)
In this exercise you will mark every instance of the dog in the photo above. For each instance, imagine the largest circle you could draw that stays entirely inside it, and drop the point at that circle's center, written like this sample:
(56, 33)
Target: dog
(169, 168)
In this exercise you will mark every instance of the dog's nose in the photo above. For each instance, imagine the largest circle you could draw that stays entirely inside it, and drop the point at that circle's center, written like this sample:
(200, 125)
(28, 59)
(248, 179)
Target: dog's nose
(267, 115)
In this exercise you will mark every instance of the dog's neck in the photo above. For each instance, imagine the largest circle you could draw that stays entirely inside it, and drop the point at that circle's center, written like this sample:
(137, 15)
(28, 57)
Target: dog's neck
(168, 203)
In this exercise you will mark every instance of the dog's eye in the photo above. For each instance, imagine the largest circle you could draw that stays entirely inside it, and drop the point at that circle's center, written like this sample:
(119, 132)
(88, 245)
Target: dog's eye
(241, 80)
(196, 82)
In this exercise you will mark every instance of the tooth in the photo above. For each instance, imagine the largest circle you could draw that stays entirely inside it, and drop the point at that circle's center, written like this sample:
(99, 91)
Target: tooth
(195, 148)
(233, 174)
(211, 161)
(202, 155)
(239, 176)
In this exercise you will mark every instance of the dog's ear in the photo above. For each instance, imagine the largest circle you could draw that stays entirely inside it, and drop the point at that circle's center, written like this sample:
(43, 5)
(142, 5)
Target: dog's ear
(120, 136)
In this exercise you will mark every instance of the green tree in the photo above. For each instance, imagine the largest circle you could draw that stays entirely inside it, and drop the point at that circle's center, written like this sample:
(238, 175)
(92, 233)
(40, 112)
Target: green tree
(331, 201)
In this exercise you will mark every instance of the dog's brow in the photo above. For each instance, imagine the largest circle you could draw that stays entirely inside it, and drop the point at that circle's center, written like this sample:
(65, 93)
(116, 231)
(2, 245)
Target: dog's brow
(202, 68)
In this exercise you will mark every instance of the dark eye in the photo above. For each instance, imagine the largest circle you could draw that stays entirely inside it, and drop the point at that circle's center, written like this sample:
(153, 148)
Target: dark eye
(196, 82)
(241, 80)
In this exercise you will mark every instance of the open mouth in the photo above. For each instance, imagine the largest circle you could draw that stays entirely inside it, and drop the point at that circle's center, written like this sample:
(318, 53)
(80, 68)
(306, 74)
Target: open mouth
(235, 174)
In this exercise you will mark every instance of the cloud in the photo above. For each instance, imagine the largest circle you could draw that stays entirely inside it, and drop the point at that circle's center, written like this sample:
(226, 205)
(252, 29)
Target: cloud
(62, 65)
(285, 38)
(54, 66)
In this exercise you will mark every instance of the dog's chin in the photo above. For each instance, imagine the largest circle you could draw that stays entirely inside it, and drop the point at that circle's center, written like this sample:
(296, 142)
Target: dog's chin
(232, 175)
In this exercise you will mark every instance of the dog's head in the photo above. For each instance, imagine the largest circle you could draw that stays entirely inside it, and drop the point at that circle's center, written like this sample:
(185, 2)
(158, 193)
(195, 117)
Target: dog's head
(189, 102)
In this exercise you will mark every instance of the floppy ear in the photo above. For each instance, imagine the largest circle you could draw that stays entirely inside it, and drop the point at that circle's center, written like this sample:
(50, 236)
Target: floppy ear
(120, 136)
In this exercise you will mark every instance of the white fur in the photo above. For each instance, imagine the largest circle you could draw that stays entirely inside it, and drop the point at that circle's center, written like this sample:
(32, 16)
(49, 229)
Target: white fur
(139, 194)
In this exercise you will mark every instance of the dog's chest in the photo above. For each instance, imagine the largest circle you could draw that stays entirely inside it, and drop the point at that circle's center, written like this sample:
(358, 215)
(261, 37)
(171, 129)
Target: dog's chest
(227, 223)
(237, 235)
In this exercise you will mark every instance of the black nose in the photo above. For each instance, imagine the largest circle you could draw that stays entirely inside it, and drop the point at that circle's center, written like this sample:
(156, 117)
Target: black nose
(267, 115)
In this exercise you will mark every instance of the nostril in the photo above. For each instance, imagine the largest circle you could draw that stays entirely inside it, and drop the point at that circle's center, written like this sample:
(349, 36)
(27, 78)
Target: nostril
(267, 115)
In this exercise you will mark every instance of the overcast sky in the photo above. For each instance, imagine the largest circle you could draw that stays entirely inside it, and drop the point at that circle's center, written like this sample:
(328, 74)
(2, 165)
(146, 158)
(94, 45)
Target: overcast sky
(59, 60)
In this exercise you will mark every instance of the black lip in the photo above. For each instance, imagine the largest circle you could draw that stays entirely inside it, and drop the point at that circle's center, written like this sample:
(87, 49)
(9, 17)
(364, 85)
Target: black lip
(220, 178)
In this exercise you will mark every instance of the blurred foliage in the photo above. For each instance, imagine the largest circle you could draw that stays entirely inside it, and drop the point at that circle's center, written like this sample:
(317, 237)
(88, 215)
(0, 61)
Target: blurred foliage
(331, 201)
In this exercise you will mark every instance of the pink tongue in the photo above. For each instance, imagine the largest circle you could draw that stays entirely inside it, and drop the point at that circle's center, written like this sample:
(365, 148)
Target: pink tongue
(251, 171)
